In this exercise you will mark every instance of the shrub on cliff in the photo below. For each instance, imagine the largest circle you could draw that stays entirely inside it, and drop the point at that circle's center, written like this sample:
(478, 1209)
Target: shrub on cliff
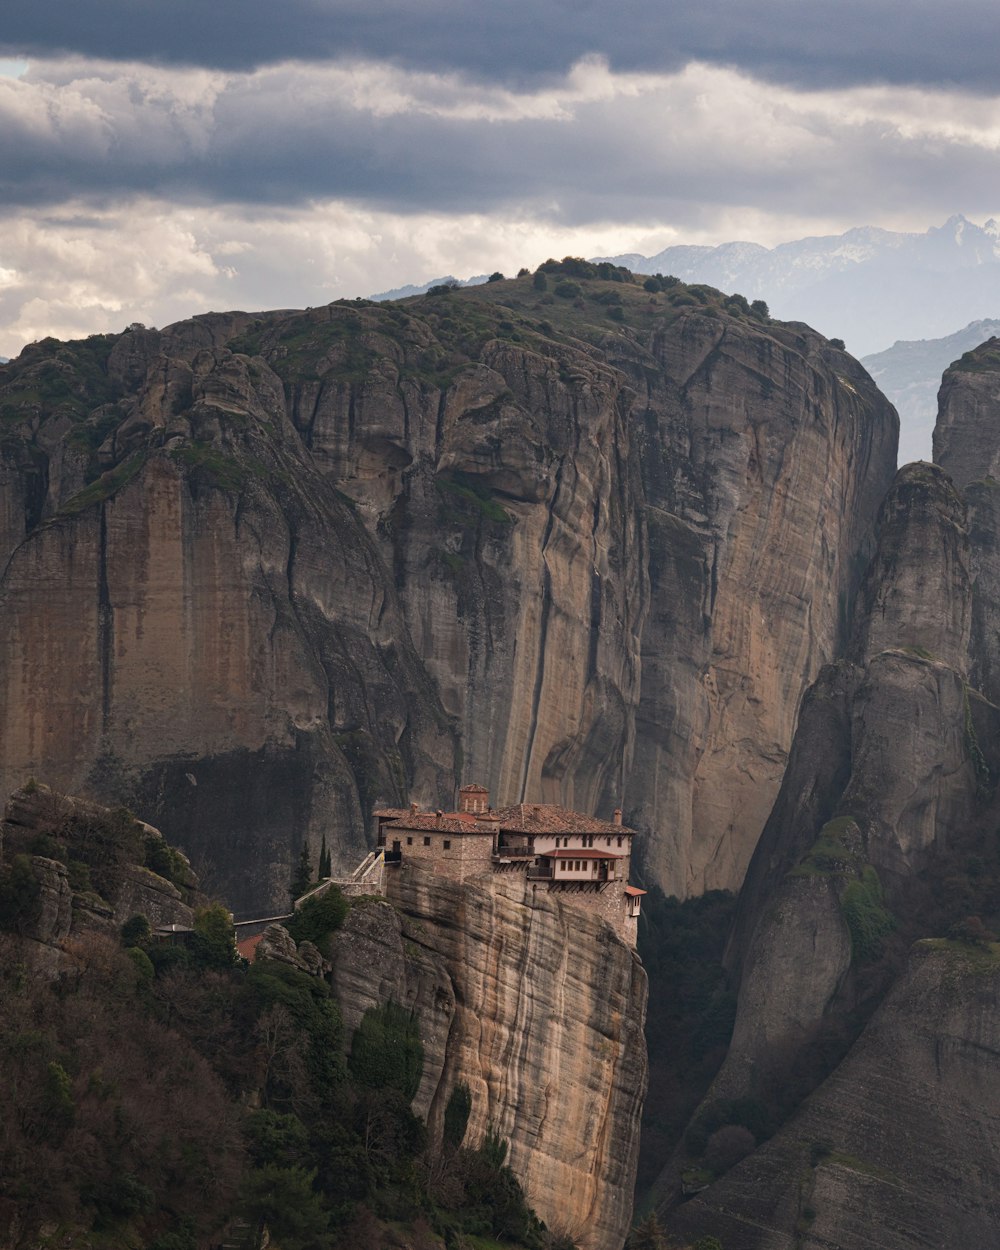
(317, 918)
(386, 1051)
(456, 1115)
(19, 895)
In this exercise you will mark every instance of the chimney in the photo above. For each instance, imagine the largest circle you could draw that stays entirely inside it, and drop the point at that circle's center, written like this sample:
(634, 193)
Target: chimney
(414, 808)
(618, 816)
(437, 817)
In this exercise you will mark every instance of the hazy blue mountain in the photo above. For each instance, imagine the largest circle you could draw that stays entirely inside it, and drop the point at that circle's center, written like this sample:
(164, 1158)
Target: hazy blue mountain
(403, 292)
(909, 374)
(868, 286)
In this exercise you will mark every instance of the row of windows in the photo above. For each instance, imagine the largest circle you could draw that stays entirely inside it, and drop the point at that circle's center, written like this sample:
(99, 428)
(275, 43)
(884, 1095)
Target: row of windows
(446, 843)
(588, 840)
(574, 865)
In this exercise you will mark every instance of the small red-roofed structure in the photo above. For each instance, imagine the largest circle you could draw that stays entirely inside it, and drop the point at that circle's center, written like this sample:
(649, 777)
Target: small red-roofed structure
(247, 947)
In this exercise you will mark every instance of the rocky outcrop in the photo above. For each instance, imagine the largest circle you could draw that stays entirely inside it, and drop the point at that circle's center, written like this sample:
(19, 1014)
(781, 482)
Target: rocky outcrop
(538, 1007)
(884, 771)
(889, 798)
(258, 573)
(965, 442)
(966, 446)
(74, 846)
(899, 1147)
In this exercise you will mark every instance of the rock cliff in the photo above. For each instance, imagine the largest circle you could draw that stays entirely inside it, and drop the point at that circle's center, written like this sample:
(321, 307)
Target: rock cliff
(884, 824)
(259, 572)
(538, 1007)
(87, 862)
(899, 1147)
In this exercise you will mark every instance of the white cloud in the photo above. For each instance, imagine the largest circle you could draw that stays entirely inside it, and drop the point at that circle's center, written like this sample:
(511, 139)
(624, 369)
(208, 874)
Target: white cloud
(168, 191)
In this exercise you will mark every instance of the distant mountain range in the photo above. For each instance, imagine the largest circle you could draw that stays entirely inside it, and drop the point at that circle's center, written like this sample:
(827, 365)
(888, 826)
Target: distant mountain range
(909, 374)
(869, 287)
(404, 292)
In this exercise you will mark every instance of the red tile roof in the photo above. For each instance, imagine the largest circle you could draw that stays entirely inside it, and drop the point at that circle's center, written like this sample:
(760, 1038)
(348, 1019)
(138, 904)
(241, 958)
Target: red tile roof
(453, 822)
(551, 818)
(537, 818)
(247, 947)
(633, 891)
(472, 788)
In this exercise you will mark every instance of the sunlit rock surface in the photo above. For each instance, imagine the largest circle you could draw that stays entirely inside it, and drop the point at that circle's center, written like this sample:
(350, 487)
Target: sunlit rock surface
(538, 1007)
(260, 573)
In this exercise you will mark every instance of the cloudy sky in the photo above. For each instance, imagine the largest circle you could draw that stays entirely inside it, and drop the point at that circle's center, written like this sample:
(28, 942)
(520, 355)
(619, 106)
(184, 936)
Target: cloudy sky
(162, 157)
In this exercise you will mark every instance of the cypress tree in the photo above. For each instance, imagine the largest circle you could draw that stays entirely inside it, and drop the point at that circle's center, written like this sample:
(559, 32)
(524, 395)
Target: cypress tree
(302, 877)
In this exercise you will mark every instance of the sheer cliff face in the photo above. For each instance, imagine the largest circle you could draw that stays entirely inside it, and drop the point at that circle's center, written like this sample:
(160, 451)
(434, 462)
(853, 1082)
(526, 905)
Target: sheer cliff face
(898, 1148)
(534, 1004)
(333, 554)
(891, 780)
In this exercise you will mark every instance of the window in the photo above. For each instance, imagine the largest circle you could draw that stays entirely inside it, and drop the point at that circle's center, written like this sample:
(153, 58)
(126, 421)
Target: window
(409, 841)
(446, 844)
(609, 841)
(619, 839)
(427, 841)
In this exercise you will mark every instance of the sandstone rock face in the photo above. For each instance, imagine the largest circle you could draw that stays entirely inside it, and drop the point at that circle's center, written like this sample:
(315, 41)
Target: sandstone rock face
(538, 1007)
(965, 436)
(967, 447)
(916, 592)
(333, 553)
(898, 1148)
(893, 764)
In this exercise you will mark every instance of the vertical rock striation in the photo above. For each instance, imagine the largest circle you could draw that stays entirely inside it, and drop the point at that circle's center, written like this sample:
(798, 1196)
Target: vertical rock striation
(259, 572)
(538, 1007)
(889, 798)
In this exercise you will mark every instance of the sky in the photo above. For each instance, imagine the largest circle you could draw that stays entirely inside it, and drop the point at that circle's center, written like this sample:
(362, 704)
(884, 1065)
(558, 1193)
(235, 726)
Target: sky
(162, 159)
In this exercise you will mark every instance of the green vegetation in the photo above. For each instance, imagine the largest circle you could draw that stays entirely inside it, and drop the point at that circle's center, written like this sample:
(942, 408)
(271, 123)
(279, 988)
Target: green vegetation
(163, 859)
(386, 1051)
(982, 359)
(307, 346)
(836, 850)
(869, 921)
(839, 853)
(456, 1115)
(50, 377)
(107, 485)
(230, 1102)
(318, 918)
(974, 956)
(223, 470)
(19, 895)
(984, 777)
(99, 847)
(477, 500)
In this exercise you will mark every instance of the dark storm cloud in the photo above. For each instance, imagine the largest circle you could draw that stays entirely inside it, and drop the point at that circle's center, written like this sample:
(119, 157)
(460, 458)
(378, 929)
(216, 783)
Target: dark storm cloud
(798, 42)
(591, 151)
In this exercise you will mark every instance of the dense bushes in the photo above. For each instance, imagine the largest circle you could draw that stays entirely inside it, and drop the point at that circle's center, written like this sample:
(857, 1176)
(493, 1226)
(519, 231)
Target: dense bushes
(317, 918)
(386, 1052)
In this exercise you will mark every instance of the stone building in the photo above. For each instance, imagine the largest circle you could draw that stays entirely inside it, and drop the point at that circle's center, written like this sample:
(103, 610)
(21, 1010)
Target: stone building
(552, 847)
